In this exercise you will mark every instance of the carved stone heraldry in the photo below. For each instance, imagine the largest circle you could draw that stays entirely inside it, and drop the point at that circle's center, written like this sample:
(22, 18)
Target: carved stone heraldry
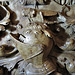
(37, 37)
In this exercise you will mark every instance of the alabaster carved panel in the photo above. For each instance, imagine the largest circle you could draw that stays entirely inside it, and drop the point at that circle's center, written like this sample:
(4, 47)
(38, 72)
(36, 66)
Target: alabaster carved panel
(37, 37)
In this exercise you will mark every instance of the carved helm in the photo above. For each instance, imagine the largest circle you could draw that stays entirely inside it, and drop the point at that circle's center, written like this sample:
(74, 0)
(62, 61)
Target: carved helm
(35, 39)
(34, 45)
